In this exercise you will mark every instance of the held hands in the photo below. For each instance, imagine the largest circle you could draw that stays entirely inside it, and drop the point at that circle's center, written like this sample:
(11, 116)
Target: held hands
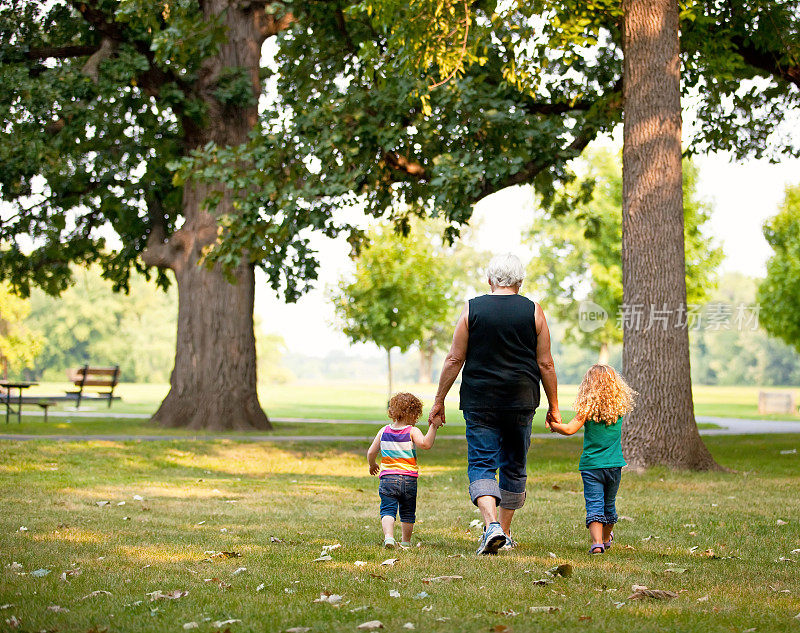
(436, 416)
(553, 417)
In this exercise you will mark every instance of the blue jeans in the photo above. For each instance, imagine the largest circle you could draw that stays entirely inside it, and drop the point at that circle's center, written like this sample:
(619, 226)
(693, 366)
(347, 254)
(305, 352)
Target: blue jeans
(600, 487)
(498, 441)
(398, 492)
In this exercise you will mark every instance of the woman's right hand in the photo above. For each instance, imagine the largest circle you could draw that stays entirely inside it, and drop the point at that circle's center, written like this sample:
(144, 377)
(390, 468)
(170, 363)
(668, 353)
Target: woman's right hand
(437, 411)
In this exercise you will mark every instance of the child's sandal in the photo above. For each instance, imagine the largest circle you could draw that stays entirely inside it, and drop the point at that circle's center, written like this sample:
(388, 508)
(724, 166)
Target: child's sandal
(597, 546)
(607, 544)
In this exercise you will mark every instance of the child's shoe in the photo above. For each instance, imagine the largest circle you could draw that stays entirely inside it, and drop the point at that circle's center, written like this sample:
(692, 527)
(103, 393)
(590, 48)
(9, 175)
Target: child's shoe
(405, 544)
(389, 543)
(610, 540)
(597, 548)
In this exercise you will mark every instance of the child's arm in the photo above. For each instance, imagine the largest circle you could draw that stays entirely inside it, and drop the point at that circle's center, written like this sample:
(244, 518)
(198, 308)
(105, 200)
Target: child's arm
(372, 452)
(424, 441)
(568, 429)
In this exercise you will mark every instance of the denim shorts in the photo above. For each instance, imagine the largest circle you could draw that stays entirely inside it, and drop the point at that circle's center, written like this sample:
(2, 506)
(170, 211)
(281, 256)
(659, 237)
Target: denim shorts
(498, 442)
(600, 487)
(398, 492)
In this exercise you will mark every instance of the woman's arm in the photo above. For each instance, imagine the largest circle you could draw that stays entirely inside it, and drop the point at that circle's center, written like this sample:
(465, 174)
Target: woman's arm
(372, 453)
(452, 364)
(424, 441)
(568, 429)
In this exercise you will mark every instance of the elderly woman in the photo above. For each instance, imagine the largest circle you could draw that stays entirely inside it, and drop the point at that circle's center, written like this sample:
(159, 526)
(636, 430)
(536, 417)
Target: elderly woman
(503, 343)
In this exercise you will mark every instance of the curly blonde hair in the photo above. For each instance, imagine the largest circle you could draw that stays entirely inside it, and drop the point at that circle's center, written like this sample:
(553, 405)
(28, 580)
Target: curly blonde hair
(405, 407)
(603, 396)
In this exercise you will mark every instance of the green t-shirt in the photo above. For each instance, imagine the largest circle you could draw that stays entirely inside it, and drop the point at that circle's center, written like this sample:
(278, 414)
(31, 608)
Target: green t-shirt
(602, 445)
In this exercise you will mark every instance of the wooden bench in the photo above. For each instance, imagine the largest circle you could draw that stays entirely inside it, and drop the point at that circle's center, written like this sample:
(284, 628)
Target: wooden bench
(103, 378)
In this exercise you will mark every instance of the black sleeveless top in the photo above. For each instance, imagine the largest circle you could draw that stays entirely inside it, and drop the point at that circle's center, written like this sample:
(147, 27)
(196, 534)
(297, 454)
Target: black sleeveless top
(501, 371)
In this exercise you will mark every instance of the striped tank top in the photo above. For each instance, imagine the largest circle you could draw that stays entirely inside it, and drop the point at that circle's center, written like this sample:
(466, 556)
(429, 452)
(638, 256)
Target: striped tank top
(398, 455)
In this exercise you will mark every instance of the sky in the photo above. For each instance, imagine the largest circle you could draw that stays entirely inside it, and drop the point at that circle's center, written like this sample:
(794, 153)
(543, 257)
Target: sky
(742, 195)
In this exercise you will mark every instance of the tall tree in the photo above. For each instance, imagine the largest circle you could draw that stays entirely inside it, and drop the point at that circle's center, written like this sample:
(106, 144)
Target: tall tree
(400, 293)
(101, 99)
(779, 293)
(578, 253)
(655, 355)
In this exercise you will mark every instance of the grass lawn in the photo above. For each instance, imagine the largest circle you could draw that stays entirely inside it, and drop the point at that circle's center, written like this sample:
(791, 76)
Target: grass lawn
(225, 496)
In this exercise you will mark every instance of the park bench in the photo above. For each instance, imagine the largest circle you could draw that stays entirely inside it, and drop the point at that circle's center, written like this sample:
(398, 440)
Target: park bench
(776, 402)
(102, 378)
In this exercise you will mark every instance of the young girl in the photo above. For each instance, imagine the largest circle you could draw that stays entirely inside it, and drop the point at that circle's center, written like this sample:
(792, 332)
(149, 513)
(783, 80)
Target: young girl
(603, 398)
(397, 443)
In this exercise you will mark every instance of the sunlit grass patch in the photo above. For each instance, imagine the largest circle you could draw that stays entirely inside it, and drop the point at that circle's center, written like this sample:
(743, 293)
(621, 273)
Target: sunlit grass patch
(202, 497)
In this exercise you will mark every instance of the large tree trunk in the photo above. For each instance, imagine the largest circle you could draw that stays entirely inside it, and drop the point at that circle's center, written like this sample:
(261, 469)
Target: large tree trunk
(213, 384)
(662, 428)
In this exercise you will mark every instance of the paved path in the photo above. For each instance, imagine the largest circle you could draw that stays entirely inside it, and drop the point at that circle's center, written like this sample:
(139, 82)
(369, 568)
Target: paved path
(728, 426)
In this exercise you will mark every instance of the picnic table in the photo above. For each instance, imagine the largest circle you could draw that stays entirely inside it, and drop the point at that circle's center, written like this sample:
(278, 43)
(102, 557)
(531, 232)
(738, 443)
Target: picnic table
(8, 385)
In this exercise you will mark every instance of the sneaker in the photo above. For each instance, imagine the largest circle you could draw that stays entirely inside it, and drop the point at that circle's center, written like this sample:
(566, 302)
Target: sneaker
(492, 540)
(510, 543)
(389, 543)
(405, 544)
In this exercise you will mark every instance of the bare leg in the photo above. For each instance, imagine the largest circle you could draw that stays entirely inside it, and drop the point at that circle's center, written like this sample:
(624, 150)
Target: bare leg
(387, 523)
(506, 517)
(487, 504)
(406, 529)
(607, 532)
(596, 532)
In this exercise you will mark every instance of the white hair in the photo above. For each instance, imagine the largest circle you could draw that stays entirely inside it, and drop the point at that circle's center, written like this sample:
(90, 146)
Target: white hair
(505, 270)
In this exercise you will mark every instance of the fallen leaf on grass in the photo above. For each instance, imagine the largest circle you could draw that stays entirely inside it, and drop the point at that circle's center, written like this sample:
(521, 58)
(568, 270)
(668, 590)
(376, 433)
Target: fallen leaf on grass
(326, 549)
(138, 498)
(220, 583)
(409, 625)
(378, 576)
(792, 451)
(54, 608)
(565, 570)
(500, 628)
(753, 630)
(260, 587)
(6, 606)
(543, 609)
(323, 558)
(389, 562)
(13, 622)
(299, 629)
(786, 560)
(171, 595)
(39, 573)
(428, 607)
(619, 605)
(542, 581)
(475, 523)
(102, 503)
(393, 593)
(22, 528)
(238, 571)
(99, 592)
(584, 618)
(212, 555)
(359, 563)
(422, 595)
(782, 522)
(456, 556)
(330, 598)
(14, 566)
(655, 594)
(676, 570)
(703, 599)
(371, 625)
(357, 609)
(222, 623)
(427, 581)
(650, 538)
(628, 547)
(191, 625)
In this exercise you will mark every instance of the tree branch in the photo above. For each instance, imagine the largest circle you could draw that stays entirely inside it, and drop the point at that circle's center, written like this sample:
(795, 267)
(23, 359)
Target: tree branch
(405, 165)
(92, 66)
